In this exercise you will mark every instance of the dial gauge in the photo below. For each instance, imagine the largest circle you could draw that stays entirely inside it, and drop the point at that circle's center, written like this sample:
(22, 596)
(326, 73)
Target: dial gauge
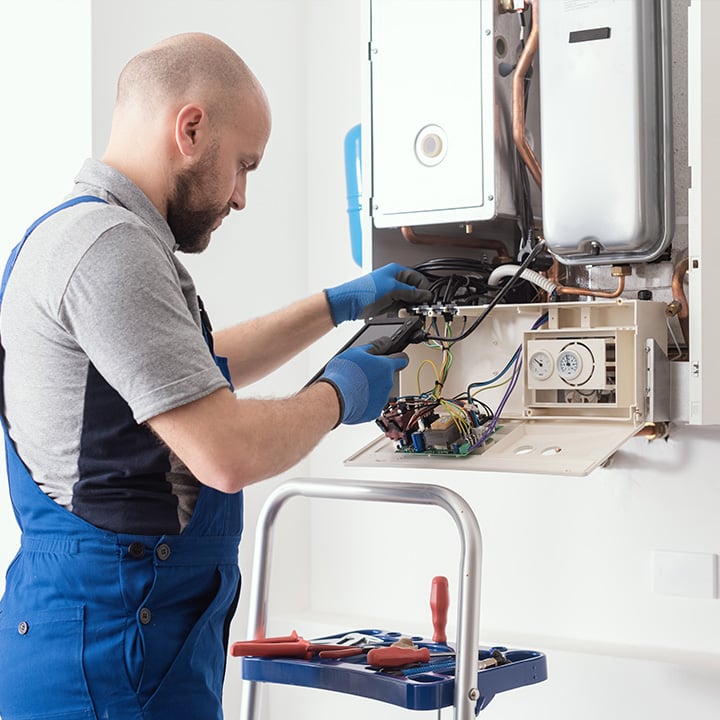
(541, 364)
(569, 364)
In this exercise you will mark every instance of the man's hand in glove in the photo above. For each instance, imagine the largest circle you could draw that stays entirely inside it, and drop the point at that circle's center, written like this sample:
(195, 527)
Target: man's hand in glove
(384, 290)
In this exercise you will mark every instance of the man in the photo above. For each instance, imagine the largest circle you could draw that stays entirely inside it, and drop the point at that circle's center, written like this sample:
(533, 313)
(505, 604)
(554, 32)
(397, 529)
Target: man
(127, 449)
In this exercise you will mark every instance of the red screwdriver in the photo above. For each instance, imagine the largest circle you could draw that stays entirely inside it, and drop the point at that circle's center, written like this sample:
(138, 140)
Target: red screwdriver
(439, 603)
(395, 657)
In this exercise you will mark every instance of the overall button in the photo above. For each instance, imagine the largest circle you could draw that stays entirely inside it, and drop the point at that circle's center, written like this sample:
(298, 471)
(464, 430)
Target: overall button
(23, 628)
(145, 616)
(163, 551)
(136, 550)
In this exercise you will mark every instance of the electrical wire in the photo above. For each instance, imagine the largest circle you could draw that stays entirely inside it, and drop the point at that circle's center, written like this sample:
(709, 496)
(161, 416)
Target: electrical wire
(488, 383)
(490, 429)
(500, 295)
(461, 280)
(516, 364)
(462, 410)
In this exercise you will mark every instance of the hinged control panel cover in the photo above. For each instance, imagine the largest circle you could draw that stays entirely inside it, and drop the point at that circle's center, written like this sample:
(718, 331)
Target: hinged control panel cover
(584, 387)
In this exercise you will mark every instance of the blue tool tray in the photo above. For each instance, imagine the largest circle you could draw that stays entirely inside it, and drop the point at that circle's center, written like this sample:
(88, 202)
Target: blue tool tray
(428, 690)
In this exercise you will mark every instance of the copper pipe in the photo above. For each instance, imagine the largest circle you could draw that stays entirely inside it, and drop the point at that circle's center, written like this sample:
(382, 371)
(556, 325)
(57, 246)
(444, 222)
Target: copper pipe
(554, 276)
(518, 98)
(563, 290)
(679, 297)
(412, 237)
(554, 272)
(653, 431)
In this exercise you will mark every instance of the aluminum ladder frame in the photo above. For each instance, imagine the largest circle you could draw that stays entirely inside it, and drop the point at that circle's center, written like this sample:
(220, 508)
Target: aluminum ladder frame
(468, 613)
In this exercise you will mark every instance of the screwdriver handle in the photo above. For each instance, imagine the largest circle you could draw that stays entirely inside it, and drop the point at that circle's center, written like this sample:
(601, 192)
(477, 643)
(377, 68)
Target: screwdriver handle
(439, 603)
(392, 657)
(263, 648)
(293, 637)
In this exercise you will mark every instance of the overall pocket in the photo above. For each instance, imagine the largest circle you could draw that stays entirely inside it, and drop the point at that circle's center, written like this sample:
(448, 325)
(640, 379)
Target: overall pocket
(42, 675)
(192, 685)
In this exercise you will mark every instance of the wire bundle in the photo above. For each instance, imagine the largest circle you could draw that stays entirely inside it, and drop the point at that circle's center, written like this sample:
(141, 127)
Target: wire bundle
(408, 418)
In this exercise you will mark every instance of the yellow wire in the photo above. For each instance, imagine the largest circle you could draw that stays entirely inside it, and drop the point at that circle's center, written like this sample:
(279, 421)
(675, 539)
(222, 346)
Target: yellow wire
(490, 387)
(447, 360)
(420, 367)
(458, 415)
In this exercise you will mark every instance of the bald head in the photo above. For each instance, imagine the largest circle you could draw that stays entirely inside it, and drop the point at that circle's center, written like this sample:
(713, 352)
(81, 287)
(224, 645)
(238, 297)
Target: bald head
(189, 112)
(192, 67)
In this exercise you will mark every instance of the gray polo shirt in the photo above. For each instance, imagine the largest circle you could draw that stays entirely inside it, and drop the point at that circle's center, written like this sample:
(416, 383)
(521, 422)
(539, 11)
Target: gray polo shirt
(101, 331)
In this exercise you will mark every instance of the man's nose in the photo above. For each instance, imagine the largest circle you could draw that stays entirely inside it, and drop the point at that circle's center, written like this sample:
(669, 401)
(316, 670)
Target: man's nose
(237, 200)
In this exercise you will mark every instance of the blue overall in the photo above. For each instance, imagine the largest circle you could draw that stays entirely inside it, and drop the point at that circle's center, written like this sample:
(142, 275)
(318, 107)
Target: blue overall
(95, 624)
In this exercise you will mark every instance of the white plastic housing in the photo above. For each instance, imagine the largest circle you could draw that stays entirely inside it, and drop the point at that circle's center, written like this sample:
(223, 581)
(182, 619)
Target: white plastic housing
(563, 432)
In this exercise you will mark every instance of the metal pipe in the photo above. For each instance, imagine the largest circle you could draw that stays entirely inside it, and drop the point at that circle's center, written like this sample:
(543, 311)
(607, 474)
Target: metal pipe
(653, 431)
(518, 98)
(554, 274)
(468, 613)
(617, 292)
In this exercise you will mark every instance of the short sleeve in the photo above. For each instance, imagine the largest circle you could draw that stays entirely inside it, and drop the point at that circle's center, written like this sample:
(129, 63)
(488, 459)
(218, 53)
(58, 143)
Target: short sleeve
(127, 310)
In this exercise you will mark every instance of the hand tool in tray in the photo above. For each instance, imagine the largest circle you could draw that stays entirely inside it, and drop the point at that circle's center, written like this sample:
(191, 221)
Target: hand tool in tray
(428, 686)
(388, 666)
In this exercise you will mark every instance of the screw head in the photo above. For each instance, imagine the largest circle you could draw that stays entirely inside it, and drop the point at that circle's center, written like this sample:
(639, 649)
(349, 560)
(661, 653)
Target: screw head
(473, 694)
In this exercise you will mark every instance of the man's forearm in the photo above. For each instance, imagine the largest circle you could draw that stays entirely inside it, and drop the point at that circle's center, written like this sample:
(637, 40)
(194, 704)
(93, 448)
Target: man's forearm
(257, 347)
(229, 443)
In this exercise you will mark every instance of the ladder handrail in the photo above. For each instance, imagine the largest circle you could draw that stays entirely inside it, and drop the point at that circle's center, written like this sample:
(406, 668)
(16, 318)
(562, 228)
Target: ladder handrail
(468, 613)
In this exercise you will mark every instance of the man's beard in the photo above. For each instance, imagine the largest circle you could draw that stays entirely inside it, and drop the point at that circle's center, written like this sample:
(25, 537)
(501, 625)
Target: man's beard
(192, 227)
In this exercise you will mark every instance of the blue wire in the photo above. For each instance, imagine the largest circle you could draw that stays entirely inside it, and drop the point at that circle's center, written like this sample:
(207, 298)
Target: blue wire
(517, 365)
(540, 321)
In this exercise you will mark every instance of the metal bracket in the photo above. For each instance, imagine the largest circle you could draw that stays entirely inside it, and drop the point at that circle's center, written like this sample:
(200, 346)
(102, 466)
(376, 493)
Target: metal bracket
(468, 613)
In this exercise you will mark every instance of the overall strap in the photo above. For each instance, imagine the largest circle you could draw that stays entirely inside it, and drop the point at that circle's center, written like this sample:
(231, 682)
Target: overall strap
(16, 250)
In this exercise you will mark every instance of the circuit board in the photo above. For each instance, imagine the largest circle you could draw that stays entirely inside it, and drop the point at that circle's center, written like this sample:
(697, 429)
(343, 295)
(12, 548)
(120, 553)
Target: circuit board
(431, 426)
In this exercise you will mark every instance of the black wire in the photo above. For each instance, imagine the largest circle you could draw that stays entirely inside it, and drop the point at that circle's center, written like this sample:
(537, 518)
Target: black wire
(500, 295)
(463, 280)
(454, 264)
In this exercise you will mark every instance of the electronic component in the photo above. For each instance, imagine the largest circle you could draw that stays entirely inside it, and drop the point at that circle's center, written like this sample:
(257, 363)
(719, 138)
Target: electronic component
(432, 426)
(589, 368)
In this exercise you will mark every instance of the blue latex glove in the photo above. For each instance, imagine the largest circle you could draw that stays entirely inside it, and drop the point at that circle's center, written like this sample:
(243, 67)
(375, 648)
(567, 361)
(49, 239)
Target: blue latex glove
(383, 290)
(362, 378)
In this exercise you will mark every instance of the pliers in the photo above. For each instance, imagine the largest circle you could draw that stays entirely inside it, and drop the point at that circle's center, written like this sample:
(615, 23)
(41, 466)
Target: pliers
(293, 646)
(286, 646)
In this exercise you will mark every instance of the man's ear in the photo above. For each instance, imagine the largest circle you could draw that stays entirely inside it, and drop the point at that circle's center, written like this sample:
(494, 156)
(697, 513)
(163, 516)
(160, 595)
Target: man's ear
(190, 128)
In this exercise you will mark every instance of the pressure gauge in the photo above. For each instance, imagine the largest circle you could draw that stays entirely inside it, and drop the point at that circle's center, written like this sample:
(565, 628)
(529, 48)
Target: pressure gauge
(569, 364)
(541, 364)
(575, 364)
